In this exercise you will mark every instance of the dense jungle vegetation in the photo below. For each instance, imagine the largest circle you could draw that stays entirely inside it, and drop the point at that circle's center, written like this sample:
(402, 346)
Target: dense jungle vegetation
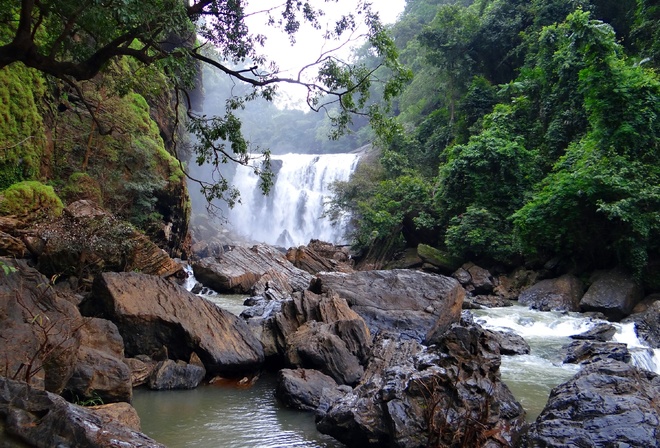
(530, 130)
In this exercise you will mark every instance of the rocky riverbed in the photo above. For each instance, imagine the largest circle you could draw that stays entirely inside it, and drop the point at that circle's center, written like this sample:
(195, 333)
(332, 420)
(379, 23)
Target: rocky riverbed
(383, 358)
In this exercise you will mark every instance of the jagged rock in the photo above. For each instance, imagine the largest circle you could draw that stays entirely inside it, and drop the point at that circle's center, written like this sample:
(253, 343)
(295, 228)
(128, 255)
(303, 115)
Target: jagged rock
(87, 240)
(316, 346)
(413, 396)
(239, 269)
(319, 256)
(558, 294)
(38, 329)
(510, 343)
(141, 370)
(152, 313)
(647, 324)
(485, 301)
(170, 375)
(603, 332)
(11, 246)
(510, 286)
(613, 293)
(608, 403)
(99, 370)
(586, 351)
(480, 279)
(398, 300)
(43, 419)
(302, 388)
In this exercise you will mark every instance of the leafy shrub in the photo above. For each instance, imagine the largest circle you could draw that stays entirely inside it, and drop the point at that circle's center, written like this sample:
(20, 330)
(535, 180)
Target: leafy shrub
(82, 186)
(30, 200)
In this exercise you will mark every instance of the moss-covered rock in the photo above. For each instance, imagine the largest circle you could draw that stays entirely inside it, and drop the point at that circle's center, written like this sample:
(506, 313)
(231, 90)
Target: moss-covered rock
(30, 201)
(438, 258)
(22, 133)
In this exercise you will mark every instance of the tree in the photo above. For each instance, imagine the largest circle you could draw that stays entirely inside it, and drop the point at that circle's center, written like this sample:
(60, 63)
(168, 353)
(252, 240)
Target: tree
(74, 40)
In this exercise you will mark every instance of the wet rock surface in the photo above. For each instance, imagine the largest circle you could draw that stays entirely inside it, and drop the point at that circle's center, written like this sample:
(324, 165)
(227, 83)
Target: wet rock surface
(608, 403)
(413, 396)
(613, 293)
(303, 388)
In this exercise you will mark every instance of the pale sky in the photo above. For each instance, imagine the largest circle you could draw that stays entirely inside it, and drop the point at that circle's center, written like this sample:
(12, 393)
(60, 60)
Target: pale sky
(309, 43)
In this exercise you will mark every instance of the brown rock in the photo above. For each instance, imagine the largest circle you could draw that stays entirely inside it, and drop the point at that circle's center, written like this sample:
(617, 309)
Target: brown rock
(114, 413)
(152, 312)
(43, 419)
(239, 269)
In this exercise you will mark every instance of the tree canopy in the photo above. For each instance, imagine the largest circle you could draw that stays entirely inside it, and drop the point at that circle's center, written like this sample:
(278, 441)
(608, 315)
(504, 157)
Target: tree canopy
(74, 41)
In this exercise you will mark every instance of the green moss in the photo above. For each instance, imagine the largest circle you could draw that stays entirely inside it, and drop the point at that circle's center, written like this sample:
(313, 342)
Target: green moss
(22, 134)
(82, 186)
(30, 200)
(438, 258)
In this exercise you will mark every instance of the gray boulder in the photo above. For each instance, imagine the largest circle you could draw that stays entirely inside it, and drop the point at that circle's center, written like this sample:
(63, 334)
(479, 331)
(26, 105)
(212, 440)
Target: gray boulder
(600, 332)
(613, 293)
(152, 313)
(608, 403)
(557, 294)
(412, 303)
(169, 375)
(302, 388)
(510, 342)
(585, 351)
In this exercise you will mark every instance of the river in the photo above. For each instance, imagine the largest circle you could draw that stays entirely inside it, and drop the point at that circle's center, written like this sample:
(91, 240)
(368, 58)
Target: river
(228, 416)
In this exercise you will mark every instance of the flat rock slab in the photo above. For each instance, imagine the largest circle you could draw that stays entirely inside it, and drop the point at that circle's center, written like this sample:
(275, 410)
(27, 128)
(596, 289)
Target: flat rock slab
(239, 269)
(410, 303)
(152, 313)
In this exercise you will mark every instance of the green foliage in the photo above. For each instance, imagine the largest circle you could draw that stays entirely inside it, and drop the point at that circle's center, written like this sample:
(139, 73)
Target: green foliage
(82, 186)
(22, 132)
(30, 200)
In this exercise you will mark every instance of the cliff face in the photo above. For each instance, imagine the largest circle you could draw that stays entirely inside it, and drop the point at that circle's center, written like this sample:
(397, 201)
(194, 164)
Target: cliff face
(109, 141)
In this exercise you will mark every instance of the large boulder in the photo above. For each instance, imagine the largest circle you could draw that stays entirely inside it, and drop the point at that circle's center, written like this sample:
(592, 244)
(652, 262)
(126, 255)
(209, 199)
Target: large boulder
(170, 375)
(100, 370)
(302, 388)
(613, 293)
(588, 351)
(414, 396)
(412, 303)
(87, 240)
(39, 328)
(152, 313)
(315, 345)
(608, 403)
(42, 419)
(557, 294)
(239, 269)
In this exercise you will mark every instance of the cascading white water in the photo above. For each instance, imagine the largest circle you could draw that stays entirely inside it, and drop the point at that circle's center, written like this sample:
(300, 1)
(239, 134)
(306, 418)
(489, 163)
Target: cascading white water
(292, 213)
(531, 377)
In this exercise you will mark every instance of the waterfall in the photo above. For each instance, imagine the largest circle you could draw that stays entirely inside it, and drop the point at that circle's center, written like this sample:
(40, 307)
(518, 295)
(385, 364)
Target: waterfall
(292, 213)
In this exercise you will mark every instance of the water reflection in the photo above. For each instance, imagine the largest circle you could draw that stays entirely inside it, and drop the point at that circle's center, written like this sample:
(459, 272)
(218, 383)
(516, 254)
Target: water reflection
(226, 416)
